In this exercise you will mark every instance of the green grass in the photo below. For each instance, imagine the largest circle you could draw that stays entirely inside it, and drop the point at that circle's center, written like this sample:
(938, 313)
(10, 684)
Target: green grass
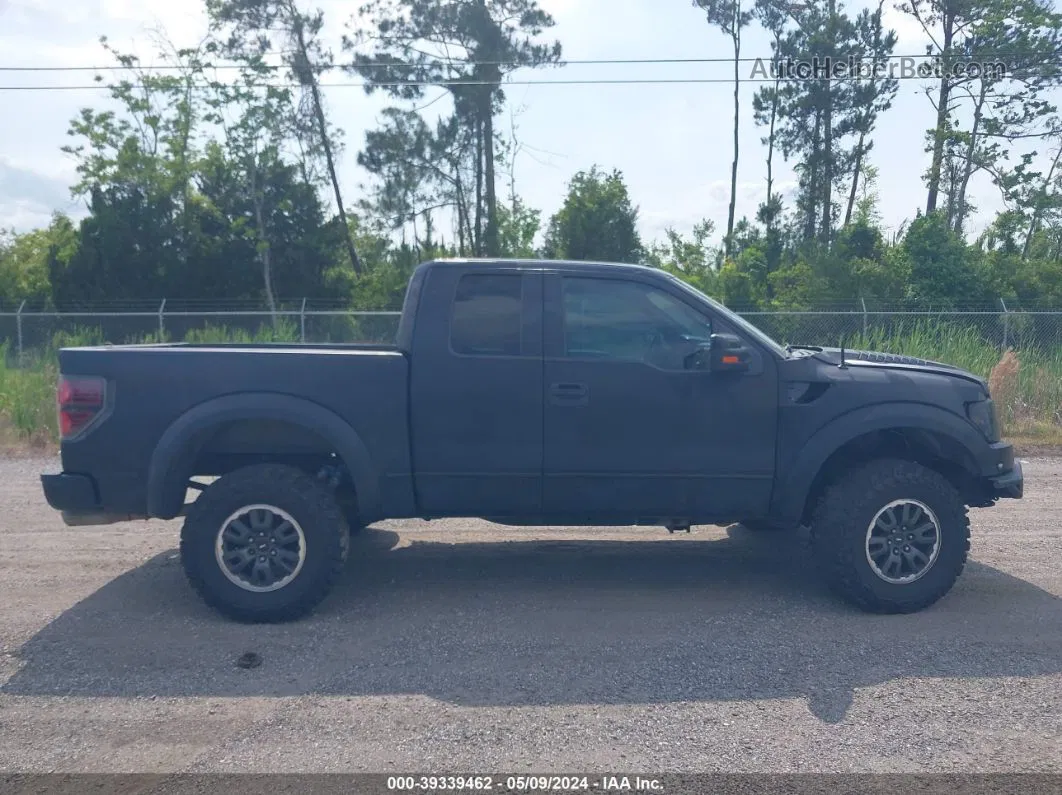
(1029, 394)
(27, 404)
(284, 331)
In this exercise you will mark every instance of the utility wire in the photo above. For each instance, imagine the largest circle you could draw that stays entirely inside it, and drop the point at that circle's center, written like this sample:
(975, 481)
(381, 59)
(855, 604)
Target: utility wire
(981, 56)
(447, 83)
(443, 83)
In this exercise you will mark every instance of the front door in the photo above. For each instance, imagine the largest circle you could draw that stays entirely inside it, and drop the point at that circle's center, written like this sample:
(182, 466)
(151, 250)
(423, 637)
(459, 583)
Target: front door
(630, 433)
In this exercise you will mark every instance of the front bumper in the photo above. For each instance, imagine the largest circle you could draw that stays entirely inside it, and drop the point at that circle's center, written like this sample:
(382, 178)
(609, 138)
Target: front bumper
(1010, 484)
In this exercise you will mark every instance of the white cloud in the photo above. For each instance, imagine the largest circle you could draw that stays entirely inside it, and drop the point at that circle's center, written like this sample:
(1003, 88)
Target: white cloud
(28, 197)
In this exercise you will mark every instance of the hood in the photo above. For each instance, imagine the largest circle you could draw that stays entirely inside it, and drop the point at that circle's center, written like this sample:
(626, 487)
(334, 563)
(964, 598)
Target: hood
(895, 361)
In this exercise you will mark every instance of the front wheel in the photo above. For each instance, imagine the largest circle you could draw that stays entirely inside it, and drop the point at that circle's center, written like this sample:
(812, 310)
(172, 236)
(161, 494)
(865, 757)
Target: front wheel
(891, 537)
(264, 543)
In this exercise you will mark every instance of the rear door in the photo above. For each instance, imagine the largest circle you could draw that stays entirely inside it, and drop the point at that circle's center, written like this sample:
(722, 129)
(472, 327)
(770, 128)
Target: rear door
(630, 433)
(476, 392)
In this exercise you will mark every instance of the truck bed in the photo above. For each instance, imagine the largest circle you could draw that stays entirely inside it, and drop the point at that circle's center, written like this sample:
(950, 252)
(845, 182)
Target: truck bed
(154, 385)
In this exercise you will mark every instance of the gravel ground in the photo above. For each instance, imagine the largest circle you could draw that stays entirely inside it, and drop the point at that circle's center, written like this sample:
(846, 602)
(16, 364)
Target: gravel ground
(467, 647)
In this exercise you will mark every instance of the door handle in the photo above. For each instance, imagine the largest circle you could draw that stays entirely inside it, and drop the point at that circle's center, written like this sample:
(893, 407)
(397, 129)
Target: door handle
(569, 394)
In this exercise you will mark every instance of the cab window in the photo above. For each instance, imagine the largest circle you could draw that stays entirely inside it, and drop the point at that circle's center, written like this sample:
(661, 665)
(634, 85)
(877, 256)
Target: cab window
(627, 321)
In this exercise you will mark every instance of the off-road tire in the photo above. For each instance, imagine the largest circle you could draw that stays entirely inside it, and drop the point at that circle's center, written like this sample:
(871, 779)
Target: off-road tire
(843, 515)
(311, 504)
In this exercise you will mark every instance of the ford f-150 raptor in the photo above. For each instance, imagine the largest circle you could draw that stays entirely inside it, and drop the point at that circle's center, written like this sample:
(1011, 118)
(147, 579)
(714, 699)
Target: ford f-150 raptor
(531, 392)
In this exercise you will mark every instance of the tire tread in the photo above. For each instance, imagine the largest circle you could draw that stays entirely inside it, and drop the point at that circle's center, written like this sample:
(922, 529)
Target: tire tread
(839, 512)
(254, 481)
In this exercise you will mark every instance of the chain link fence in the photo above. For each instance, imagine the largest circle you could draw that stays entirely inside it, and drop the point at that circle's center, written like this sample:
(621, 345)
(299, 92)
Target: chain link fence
(30, 334)
(1041, 330)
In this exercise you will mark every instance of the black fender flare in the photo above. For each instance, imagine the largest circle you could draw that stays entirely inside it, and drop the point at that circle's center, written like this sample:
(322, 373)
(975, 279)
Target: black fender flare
(176, 450)
(793, 489)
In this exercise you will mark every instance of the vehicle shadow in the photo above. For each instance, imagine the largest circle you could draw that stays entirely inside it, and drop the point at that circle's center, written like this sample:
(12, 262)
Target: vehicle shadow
(544, 623)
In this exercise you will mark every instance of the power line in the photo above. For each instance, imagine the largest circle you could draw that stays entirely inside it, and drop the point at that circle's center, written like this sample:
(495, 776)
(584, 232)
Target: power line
(455, 63)
(449, 83)
(422, 83)
(406, 64)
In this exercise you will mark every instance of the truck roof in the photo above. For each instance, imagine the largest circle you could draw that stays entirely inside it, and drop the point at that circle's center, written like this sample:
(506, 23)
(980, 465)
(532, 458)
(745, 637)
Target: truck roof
(536, 264)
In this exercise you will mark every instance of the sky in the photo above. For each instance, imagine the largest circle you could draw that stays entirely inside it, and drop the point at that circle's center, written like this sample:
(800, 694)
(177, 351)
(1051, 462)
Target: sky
(673, 143)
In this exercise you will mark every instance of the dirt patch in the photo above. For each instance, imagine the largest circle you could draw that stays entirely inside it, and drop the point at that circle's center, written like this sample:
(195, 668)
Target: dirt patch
(1038, 450)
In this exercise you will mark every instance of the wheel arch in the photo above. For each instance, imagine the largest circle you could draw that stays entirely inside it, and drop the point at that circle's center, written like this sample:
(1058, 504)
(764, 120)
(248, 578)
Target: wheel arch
(926, 434)
(175, 455)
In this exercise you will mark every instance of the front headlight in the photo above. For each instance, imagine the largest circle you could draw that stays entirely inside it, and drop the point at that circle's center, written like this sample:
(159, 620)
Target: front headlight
(983, 415)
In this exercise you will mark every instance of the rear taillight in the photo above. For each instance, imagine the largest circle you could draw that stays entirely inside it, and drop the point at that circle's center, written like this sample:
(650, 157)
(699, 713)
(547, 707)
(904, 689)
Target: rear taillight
(81, 399)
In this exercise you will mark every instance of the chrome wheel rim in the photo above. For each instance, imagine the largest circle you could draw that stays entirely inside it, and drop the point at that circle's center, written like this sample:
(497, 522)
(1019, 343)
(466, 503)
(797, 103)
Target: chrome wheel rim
(903, 541)
(260, 548)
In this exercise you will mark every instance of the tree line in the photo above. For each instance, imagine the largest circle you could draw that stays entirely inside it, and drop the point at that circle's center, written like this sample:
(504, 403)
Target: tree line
(217, 178)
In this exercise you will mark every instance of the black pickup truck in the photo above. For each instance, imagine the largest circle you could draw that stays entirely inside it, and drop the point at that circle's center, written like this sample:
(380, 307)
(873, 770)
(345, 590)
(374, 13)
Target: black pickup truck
(531, 392)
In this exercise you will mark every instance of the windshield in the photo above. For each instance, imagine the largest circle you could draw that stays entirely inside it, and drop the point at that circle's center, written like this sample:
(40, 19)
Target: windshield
(737, 320)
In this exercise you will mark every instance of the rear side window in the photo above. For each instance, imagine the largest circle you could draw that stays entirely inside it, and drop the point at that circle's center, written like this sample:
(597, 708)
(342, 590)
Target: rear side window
(487, 313)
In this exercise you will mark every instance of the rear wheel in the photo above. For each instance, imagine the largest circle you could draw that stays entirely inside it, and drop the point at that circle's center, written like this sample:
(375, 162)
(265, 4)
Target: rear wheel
(264, 543)
(891, 537)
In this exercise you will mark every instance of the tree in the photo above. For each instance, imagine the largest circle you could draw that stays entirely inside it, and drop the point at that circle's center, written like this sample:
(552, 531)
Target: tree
(730, 18)
(1019, 40)
(944, 22)
(773, 16)
(690, 259)
(135, 167)
(1045, 201)
(467, 45)
(249, 23)
(821, 104)
(1006, 105)
(24, 261)
(866, 210)
(518, 226)
(596, 222)
(251, 116)
(149, 145)
(173, 213)
(261, 204)
(1033, 198)
(941, 270)
(872, 96)
(736, 288)
(124, 249)
(418, 169)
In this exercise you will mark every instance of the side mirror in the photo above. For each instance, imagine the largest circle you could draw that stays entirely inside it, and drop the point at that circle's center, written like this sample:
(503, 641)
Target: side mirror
(728, 354)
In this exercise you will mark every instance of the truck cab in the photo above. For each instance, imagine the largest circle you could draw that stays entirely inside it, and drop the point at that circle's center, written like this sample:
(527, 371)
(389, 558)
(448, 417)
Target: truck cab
(585, 393)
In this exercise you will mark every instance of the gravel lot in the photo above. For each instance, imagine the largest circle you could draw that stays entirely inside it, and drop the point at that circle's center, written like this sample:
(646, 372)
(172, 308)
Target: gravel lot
(466, 647)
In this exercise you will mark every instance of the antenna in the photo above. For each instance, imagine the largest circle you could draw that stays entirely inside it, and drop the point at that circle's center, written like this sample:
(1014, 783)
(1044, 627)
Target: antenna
(842, 365)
